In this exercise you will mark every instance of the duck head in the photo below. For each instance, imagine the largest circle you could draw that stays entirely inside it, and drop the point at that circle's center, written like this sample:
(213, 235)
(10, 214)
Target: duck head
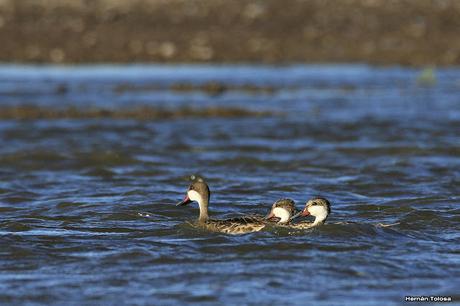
(199, 192)
(282, 210)
(318, 207)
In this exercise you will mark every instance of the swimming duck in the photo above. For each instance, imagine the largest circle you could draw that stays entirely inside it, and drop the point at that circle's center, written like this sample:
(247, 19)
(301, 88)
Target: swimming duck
(282, 211)
(318, 207)
(199, 192)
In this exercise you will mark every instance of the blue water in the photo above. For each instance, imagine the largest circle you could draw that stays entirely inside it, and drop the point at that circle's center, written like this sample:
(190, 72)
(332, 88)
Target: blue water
(87, 212)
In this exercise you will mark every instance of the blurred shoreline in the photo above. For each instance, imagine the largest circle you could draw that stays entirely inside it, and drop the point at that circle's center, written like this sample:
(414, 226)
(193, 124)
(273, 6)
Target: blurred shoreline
(423, 32)
(142, 113)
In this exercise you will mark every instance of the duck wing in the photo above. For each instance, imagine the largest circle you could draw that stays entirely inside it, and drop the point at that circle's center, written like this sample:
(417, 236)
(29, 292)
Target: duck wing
(302, 225)
(237, 225)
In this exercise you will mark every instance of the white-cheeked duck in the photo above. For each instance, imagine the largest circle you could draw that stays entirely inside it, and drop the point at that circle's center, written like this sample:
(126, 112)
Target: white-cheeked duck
(284, 211)
(199, 192)
(318, 207)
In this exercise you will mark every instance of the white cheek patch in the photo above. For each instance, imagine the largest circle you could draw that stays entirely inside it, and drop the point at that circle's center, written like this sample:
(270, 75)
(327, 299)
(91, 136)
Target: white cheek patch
(318, 212)
(281, 213)
(194, 196)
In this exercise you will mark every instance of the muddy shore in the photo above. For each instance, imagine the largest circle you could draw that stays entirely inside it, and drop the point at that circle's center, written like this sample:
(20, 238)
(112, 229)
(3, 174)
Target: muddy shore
(422, 32)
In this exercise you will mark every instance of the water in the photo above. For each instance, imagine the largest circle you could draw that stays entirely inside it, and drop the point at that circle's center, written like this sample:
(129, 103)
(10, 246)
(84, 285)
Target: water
(87, 211)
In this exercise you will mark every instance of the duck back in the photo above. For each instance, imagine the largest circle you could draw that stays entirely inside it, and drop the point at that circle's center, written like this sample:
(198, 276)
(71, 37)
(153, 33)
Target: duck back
(237, 225)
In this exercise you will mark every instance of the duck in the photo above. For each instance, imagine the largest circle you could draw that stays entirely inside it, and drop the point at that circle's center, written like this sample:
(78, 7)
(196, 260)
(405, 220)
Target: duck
(318, 207)
(199, 192)
(282, 211)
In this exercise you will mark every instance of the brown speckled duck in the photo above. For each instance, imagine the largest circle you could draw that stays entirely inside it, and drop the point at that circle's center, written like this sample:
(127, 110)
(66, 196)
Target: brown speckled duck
(199, 192)
(282, 211)
(318, 207)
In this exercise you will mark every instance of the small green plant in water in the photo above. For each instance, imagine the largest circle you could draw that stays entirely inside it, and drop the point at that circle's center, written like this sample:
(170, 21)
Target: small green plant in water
(427, 77)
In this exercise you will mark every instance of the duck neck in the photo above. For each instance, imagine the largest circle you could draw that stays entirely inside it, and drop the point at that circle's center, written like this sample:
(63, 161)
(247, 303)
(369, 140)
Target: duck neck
(320, 219)
(203, 203)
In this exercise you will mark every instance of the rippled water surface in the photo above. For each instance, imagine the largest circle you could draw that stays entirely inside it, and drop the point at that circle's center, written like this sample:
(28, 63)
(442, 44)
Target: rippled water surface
(87, 212)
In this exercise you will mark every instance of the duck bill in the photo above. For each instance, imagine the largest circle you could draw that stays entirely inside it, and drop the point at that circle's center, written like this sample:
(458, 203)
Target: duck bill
(302, 213)
(295, 216)
(270, 216)
(185, 201)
